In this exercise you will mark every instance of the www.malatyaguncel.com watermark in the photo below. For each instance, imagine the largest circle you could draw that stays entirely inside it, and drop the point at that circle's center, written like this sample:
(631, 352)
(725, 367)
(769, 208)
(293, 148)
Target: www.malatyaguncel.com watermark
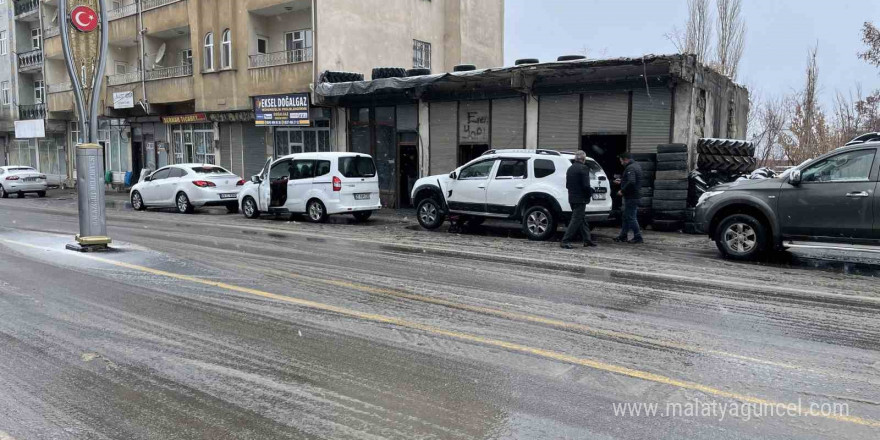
(745, 411)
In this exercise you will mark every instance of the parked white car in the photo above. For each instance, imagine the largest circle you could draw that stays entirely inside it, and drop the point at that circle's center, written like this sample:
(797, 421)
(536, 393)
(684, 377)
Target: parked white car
(315, 184)
(522, 185)
(22, 180)
(186, 187)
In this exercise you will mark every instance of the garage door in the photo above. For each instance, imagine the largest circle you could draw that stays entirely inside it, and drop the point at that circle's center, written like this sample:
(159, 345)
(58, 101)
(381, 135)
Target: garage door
(651, 119)
(558, 121)
(473, 123)
(254, 148)
(508, 123)
(605, 113)
(444, 137)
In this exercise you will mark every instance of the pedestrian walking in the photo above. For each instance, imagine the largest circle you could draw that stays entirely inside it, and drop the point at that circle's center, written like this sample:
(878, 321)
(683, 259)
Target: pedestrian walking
(630, 191)
(577, 181)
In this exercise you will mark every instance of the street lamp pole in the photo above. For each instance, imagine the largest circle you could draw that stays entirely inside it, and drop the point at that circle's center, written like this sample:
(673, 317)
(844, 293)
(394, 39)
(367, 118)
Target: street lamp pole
(84, 36)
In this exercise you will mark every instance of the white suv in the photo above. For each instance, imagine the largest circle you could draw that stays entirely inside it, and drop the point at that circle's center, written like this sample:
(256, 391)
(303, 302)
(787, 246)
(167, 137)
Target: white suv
(317, 184)
(521, 185)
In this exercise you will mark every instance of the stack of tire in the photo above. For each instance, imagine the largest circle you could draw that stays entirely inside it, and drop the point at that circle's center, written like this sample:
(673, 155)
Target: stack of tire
(648, 162)
(726, 157)
(332, 76)
(388, 72)
(670, 188)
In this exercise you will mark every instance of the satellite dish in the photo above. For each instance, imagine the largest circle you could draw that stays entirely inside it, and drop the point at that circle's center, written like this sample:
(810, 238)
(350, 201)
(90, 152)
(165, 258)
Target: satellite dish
(161, 53)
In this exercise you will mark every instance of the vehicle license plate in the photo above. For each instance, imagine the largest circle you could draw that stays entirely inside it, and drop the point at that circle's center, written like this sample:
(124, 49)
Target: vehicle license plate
(598, 196)
(362, 196)
(228, 196)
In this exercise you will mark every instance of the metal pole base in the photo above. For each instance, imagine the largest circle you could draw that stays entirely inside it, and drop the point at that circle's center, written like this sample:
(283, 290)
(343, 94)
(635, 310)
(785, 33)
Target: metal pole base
(90, 244)
(86, 248)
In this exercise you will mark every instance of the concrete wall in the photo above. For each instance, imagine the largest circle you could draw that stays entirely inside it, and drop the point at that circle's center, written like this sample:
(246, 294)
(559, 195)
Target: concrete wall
(460, 31)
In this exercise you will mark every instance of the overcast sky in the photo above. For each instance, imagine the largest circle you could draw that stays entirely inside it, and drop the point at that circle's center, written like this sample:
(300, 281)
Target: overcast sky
(778, 36)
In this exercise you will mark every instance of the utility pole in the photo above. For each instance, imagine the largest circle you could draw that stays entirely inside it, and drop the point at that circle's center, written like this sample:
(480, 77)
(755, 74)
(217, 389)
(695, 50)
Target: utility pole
(84, 35)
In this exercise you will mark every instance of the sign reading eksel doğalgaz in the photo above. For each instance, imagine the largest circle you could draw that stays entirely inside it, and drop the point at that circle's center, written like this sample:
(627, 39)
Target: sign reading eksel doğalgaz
(291, 109)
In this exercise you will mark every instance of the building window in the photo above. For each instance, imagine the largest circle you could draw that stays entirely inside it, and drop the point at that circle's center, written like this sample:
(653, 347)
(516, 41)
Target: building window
(226, 50)
(4, 93)
(121, 68)
(4, 43)
(209, 51)
(37, 38)
(186, 57)
(262, 45)
(39, 91)
(421, 54)
(298, 45)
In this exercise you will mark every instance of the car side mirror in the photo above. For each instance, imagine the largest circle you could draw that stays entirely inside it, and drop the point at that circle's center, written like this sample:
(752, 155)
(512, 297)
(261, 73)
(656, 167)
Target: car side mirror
(795, 177)
(452, 175)
(256, 178)
(148, 178)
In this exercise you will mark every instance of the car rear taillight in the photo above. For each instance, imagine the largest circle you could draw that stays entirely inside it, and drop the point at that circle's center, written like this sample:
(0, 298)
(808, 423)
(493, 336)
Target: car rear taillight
(240, 182)
(337, 184)
(12, 178)
(203, 184)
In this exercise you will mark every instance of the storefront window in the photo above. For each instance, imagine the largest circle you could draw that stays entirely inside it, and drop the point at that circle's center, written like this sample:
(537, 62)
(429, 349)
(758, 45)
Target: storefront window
(193, 143)
(303, 140)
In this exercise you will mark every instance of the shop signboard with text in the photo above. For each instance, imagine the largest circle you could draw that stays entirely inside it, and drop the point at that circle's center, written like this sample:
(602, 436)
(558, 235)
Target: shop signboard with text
(288, 110)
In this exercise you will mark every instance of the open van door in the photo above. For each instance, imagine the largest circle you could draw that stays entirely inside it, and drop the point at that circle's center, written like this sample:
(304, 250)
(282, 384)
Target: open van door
(264, 191)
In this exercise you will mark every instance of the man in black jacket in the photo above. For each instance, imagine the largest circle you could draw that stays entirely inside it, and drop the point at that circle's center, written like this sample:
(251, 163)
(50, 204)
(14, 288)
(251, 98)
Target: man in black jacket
(577, 180)
(630, 190)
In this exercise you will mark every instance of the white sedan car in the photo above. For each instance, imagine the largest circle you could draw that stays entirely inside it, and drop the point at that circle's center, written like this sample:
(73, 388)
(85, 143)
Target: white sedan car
(186, 187)
(22, 180)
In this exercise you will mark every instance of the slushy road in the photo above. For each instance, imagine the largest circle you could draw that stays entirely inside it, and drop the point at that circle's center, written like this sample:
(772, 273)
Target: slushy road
(214, 326)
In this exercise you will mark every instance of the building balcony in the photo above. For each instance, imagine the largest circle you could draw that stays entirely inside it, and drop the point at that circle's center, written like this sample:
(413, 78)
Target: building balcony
(30, 61)
(33, 111)
(52, 31)
(60, 87)
(27, 10)
(151, 75)
(153, 4)
(280, 58)
(122, 12)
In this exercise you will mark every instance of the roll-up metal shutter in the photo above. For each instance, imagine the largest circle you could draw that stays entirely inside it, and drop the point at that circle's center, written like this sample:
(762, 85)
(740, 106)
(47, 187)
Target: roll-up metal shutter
(254, 142)
(558, 121)
(407, 118)
(226, 158)
(444, 137)
(233, 130)
(473, 123)
(605, 113)
(650, 119)
(508, 123)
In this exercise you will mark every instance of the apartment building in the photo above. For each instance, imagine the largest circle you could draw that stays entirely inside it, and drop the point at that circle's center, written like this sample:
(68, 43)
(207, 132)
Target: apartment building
(182, 74)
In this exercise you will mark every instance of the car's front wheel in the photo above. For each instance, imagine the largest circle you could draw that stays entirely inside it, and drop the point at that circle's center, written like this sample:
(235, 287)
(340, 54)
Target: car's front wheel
(539, 224)
(249, 207)
(183, 204)
(316, 211)
(137, 201)
(430, 214)
(741, 237)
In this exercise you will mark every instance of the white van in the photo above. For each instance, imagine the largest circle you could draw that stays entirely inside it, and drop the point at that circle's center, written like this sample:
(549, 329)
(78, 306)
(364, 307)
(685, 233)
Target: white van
(315, 184)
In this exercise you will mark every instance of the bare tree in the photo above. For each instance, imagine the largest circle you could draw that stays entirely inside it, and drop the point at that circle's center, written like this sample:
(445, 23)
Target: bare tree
(871, 38)
(731, 30)
(767, 129)
(697, 35)
(808, 134)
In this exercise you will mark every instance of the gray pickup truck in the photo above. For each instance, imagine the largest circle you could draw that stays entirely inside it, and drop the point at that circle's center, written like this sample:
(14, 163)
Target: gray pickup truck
(831, 201)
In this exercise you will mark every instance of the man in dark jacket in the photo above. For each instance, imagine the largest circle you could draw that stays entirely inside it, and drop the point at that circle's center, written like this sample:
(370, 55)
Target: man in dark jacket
(630, 190)
(577, 180)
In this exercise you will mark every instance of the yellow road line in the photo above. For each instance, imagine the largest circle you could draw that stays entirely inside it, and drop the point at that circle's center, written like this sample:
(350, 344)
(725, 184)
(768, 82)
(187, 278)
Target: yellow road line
(528, 318)
(510, 346)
